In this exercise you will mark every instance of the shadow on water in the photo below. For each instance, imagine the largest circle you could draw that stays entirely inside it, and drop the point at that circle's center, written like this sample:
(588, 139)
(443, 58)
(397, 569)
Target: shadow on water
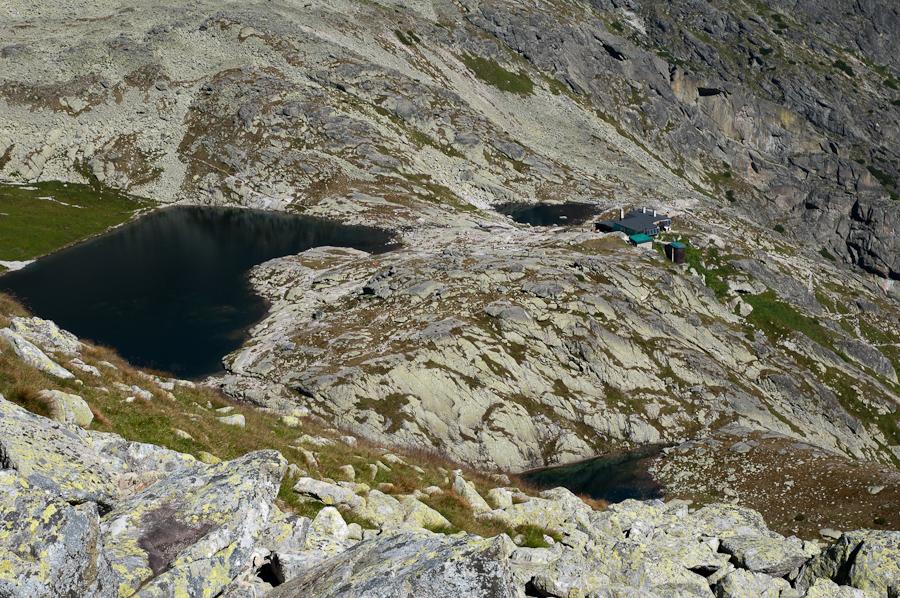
(171, 290)
(548, 214)
(613, 478)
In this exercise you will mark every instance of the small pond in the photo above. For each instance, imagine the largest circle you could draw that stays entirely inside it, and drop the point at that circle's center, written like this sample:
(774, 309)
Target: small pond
(170, 291)
(613, 477)
(549, 214)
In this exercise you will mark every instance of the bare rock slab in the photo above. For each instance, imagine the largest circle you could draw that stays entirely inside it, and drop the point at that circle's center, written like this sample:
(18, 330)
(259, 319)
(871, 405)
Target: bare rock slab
(411, 564)
(193, 532)
(762, 554)
(51, 456)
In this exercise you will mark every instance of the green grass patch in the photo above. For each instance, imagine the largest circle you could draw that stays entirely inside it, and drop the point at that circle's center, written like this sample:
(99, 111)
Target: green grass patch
(778, 228)
(403, 39)
(710, 267)
(827, 255)
(843, 66)
(492, 73)
(882, 177)
(777, 319)
(39, 218)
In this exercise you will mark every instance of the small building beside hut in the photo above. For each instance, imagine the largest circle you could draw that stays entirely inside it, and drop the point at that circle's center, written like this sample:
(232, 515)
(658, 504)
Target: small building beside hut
(675, 251)
(636, 222)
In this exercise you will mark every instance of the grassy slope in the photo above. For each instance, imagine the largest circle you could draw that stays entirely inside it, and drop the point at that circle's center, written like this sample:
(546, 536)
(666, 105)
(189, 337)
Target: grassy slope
(40, 218)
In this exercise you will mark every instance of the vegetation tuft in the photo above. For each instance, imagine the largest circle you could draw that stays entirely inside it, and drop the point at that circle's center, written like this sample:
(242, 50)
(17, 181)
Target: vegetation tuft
(492, 73)
(843, 66)
(777, 319)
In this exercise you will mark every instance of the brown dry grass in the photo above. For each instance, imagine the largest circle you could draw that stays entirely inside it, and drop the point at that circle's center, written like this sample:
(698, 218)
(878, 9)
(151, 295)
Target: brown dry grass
(798, 491)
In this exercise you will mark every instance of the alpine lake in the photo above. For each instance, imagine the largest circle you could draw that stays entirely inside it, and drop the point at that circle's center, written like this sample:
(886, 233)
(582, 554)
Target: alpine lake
(170, 291)
(562, 214)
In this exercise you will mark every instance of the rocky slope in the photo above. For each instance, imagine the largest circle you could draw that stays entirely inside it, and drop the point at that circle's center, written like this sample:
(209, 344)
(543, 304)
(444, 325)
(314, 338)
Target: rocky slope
(74, 522)
(768, 131)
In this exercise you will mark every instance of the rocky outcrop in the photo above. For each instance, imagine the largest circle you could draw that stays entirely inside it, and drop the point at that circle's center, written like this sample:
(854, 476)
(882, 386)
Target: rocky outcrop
(533, 357)
(865, 559)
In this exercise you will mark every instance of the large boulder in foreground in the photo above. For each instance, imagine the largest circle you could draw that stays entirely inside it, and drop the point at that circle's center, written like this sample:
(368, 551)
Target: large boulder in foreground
(48, 547)
(411, 564)
(52, 456)
(865, 559)
(191, 533)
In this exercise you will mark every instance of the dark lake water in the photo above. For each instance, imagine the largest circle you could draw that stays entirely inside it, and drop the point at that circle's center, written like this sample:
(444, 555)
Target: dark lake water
(613, 478)
(548, 214)
(171, 290)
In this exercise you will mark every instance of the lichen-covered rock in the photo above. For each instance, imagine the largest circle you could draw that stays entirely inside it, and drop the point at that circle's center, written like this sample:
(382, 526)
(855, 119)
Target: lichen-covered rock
(418, 514)
(864, 559)
(286, 534)
(745, 584)
(329, 494)
(623, 515)
(191, 533)
(31, 355)
(53, 456)
(724, 520)
(233, 420)
(639, 565)
(762, 554)
(411, 564)
(825, 588)
(45, 334)
(574, 574)
(550, 512)
(48, 547)
(140, 458)
(328, 532)
(65, 407)
(467, 490)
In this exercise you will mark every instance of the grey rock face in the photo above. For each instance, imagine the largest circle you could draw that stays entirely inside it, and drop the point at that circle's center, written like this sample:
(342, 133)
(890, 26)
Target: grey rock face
(762, 554)
(412, 563)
